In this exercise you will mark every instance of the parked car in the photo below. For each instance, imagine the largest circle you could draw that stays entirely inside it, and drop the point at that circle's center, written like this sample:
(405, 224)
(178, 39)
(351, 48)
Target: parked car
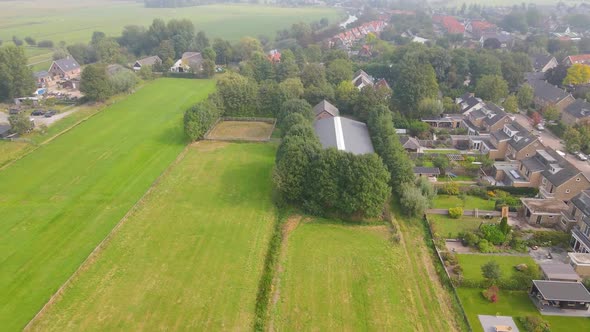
(582, 157)
(540, 127)
(38, 112)
(50, 114)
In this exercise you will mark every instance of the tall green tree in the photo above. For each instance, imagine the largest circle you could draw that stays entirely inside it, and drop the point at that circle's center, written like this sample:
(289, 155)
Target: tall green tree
(415, 82)
(525, 96)
(238, 94)
(339, 70)
(94, 83)
(20, 123)
(16, 78)
(491, 88)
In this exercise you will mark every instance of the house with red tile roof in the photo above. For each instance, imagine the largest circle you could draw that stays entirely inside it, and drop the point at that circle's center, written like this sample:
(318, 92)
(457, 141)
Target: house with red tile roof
(274, 56)
(449, 23)
(574, 59)
(478, 27)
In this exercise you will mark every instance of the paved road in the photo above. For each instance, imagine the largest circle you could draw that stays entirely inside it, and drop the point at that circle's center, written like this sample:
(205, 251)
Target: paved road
(41, 120)
(551, 141)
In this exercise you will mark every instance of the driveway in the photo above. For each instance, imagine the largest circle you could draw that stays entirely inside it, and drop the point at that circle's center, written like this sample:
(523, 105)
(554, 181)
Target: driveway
(551, 141)
(41, 120)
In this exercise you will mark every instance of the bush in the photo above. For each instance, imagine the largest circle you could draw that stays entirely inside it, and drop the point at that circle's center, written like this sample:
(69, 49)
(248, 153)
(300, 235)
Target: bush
(470, 239)
(456, 212)
(549, 238)
(518, 244)
(199, 119)
(412, 201)
(450, 188)
(491, 294)
(485, 247)
(492, 233)
(45, 44)
(534, 324)
(478, 192)
(517, 191)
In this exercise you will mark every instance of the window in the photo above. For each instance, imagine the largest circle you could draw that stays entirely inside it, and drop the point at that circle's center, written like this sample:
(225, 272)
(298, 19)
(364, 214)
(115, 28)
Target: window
(567, 191)
(578, 180)
(544, 181)
(586, 230)
(527, 155)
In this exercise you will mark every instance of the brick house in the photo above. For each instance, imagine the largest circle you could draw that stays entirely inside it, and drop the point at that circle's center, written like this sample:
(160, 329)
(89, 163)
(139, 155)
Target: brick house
(576, 112)
(65, 68)
(325, 110)
(577, 219)
(546, 95)
(561, 179)
(542, 62)
(542, 212)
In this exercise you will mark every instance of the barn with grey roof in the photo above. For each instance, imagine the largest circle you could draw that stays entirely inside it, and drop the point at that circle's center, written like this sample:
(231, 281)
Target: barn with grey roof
(344, 134)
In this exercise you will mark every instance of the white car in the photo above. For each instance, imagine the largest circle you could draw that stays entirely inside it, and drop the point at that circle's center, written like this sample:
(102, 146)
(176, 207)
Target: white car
(540, 127)
(581, 156)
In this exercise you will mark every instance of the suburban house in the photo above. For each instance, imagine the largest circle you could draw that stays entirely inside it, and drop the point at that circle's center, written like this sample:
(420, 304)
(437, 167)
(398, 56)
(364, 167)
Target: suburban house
(580, 261)
(325, 110)
(150, 61)
(560, 179)
(546, 94)
(543, 212)
(43, 79)
(512, 142)
(556, 296)
(502, 39)
(558, 271)
(449, 121)
(478, 27)
(65, 68)
(542, 63)
(574, 59)
(344, 134)
(576, 112)
(450, 24)
(487, 119)
(468, 103)
(382, 84)
(190, 62)
(361, 79)
(577, 218)
(346, 39)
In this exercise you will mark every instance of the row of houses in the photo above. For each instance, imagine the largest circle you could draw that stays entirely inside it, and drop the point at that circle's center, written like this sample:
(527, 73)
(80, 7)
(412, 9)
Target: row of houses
(348, 38)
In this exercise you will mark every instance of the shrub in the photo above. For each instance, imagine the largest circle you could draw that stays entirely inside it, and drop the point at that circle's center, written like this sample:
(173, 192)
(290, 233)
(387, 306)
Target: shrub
(504, 228)
(199, 119)
(534, 324)
(492, 233)
(491, 271)
(451, 188)
(518, 244)
(491, 294)
(45, 44)
(549, 238)
(485, 247)
(470, 239)
(478, 192)
(517, 191)
(456, 212)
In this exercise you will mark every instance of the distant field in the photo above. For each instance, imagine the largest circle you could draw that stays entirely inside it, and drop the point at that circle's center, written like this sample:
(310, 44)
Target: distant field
(245, 130)
(59, 202)
(340, 277)
(189, 258)
(50, 20)
(505, 3)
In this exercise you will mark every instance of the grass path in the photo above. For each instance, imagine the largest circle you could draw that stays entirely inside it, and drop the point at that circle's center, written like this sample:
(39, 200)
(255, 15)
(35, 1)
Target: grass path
(60, 201)
(189, 257)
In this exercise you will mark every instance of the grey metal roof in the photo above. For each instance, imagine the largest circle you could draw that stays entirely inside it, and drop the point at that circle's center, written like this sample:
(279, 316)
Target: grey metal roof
(149, 61)
(582, 202)
(559, 271)
(67, 64)
(426, 170)
(562, 290)
(541, 60)
(524, 141)
(533, 164)
(344, 134)
(534, 76)
(566, 171)
(547, 92)
(40, 74)
(500, 135)
(578, 109)
(409, 142)
(324, 105)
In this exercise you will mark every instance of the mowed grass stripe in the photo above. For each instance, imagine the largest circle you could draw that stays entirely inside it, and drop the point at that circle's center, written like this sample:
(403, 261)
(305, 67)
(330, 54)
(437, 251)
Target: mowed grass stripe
(341, 277)
(60, 201)
(188, 258)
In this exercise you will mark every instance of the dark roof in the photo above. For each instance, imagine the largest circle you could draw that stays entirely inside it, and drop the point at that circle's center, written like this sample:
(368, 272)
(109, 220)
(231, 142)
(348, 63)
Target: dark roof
(582, 202)
(41, 74)
(541, 60)
(522, 138)
(559, 271)
(324, 105)
(533, 164)
(534, 76)
(67, 64)
(477, 114)
(468, 103)
(427, 170)
(564, 172)
(547, 92)
(544, 205)
(344, 134)
(500, 135)
(149, 61)
(562, 290)
(495, 117)
(192, 59)
(409, 142)
(578, 109)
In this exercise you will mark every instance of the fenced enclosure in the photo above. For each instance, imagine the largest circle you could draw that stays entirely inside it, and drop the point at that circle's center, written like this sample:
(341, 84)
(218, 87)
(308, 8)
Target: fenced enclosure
(242, 129)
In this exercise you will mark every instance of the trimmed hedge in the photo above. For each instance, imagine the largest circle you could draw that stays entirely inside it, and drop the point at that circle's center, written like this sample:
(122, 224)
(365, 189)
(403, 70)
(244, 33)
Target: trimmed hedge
(517, 191)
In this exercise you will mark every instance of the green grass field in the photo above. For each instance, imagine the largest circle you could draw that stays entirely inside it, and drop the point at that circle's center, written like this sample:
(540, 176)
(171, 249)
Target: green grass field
(50, 20)
(340, 277)
(191, 255)
(60, 201)
(472, 263)
(515, 304)
(447, 227)
(470, 202)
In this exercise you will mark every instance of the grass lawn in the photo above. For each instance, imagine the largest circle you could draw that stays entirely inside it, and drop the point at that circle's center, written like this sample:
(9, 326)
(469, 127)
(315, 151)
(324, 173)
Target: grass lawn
(246, 130)
(189, 258)
(470, 202)
(443, 151)
(450, 228)
(472, 263)
(446, 178)
(515, 304)
(348, 277)
(60, 201)
(50, 20)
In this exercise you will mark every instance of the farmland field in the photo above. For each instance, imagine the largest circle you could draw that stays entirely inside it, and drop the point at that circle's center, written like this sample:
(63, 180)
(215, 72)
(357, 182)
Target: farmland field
(244, 130)
(340, 277)
(49, 19)
(189, 257)
(60, 201)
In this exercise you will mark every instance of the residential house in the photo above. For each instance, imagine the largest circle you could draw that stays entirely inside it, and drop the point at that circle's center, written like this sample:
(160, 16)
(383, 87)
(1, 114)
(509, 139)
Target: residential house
(449, 121)
(382, 84)
(346, 39)
(43, 79)
(543, 62)
(512, 142)
(580, 261)
(577, 219)
(468, 103)
(449, 23)
(485, 120)
(361, 79)
(190, 62)
(65, 68)
(150, 61)
(365, 52)
(560, 179)
(574, 59)
(478, 27)
(410, 144)
(555, 297)
(542, 212)
(576, 112)
(344, 134)
(546, 95)
(564, 32)
(325, 110)
(274, 56)
(503, 39)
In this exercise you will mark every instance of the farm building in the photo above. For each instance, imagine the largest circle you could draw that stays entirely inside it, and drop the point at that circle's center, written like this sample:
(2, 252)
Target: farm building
(325, 110)
(149, 61)
(65, 68)
(190, 62)
(344, 134)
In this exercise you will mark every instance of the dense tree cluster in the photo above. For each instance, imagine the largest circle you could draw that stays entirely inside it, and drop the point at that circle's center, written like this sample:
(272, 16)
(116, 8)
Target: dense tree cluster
(16, 78)
(98, 85)
(327, 181)
(200, 118)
